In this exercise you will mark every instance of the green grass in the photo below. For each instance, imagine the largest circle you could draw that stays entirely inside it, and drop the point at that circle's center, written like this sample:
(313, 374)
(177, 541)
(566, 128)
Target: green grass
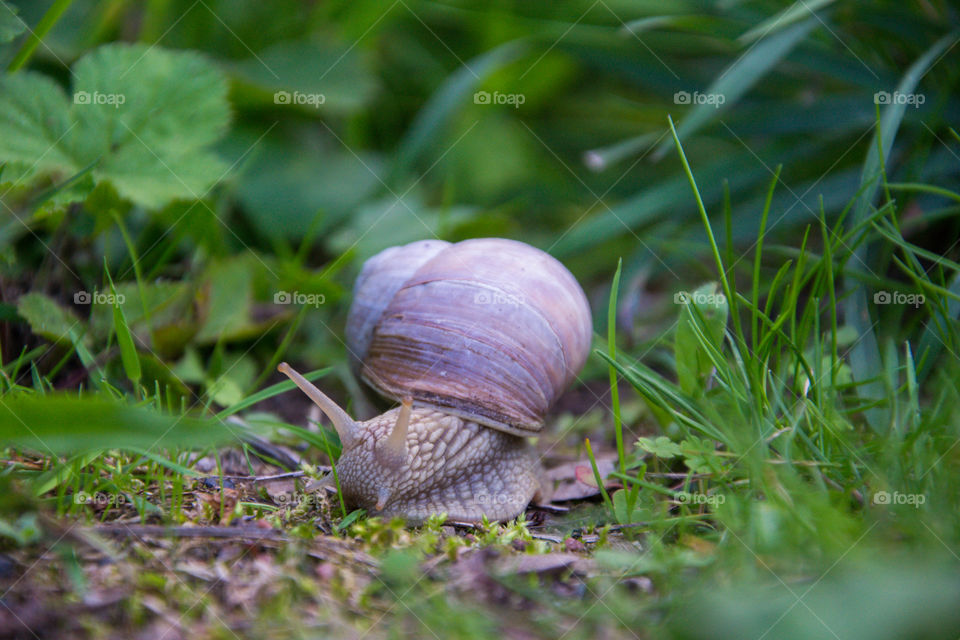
(774, 283)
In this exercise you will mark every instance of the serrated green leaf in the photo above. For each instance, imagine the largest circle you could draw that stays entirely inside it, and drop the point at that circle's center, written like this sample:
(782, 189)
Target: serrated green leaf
(47, 318)
(662, 447)
(58, 324)
(144, 115)
(700, 455)
(35, 123)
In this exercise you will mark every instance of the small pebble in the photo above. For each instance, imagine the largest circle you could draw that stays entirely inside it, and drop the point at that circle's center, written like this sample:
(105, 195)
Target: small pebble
(574, 545)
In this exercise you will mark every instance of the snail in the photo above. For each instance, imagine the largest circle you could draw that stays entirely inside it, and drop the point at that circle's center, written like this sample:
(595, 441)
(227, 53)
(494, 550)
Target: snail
(477, 340)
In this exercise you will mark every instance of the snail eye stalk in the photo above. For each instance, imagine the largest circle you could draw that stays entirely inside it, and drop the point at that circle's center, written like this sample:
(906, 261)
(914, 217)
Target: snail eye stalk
(346, 428)
(391, 452)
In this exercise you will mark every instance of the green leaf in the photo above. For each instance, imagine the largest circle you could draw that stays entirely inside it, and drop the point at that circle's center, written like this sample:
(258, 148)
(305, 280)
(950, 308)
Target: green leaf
(621, 508)
(794, 13)
(932, 342)
(35, 123)
(891, 597)
(350, 518)
(337, 74)
(612, 349)
(225, 390)
(707, 309)
(128, 351)
(47, 318)
(700, 455)
(63, 473)
(290, 182)
(164, 462)
(169, 303)
(742, 75)
(227, 300)
(662, 395)
(23, 531)
(659, 201)
(864, 356)
(145, 116)
(64, 423)
(394, 221)
(662, 447)
(626, 508)
(10, 25)
(269, 392)
(58, 324)
(439, 110)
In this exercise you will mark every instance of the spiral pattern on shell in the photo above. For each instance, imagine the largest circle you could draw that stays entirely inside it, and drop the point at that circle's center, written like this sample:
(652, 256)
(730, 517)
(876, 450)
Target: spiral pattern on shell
(488, 329)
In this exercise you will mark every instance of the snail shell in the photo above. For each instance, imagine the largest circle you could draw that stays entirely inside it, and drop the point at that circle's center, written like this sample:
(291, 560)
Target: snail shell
(491, 330)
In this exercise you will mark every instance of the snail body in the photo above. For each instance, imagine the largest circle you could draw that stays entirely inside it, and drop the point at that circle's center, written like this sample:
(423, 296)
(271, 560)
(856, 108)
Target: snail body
(477, 339)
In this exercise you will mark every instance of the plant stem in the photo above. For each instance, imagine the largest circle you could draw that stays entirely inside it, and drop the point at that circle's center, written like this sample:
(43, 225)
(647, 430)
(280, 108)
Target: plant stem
(612, 349)
(50, 18)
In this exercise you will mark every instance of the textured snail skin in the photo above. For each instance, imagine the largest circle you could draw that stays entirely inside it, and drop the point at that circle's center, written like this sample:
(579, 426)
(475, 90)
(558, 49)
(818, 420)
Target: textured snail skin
(452, 466)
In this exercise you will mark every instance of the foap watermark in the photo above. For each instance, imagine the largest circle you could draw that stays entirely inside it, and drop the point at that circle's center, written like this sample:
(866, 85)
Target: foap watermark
(712, 499)
(292, 499)
(485, 97)
(699, 298)
(909, 99)
(497, 297)
(310, 99)
(486, 499)
(685, 97)
(885, 497)
(97, 97)
(98, 297)
(898, 297)
(295, 297)
(99, 498)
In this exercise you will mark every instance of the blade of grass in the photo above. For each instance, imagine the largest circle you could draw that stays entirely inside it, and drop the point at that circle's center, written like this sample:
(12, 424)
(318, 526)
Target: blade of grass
(128, 351)
(443, 104)
(164, 462)
(47, 22)
(757, 255)
(597, 476)
(269, 392)
(783, 19)
(612, 350)
(727, 291)
(135, 261)
(333, 472)
(864, 356)
(37, 422)
(741, 76)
